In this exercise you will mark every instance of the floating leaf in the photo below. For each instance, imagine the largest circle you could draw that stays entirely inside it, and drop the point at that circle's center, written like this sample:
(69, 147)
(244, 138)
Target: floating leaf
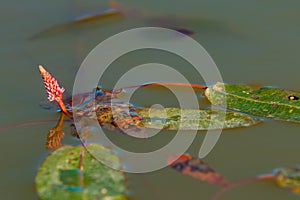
(192, 119)
(196, 168)
(267, 102)
(59, 176)
(110, 112)
(289, 178)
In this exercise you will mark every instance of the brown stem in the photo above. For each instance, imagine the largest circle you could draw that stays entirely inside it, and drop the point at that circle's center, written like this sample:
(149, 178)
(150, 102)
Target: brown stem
(63, 108)
(80, 166)
(242, 182)
(168, 83)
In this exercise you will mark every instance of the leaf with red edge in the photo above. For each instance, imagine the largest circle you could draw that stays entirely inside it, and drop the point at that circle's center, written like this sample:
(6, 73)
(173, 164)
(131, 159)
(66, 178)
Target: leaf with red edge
(196, 168)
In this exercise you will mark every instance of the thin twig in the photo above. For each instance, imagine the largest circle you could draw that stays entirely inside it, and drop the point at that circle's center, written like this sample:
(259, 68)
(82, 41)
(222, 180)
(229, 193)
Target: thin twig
(80, 165)
(168, 83)
(241, 182)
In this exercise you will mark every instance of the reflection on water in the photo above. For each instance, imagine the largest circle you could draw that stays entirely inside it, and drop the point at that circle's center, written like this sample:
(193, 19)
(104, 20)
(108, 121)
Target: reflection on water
(250, 42)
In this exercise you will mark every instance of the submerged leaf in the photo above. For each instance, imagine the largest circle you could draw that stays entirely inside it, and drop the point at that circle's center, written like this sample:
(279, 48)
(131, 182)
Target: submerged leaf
(197, 168)
(59, 176)
(192, 119)
(267, 102)
(103, 15)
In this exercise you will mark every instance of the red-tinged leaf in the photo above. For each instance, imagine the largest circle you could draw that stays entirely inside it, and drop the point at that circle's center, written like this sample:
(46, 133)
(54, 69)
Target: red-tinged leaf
(196, 168)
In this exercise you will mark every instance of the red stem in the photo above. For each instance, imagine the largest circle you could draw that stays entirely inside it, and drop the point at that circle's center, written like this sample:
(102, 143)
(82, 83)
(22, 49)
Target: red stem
(64, 109)
(27, 124)
(168, 83)
(241, 182)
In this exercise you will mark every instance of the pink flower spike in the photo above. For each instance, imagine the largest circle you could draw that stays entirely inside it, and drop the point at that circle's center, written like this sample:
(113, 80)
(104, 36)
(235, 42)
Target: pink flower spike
(51, 85)
(53, 90)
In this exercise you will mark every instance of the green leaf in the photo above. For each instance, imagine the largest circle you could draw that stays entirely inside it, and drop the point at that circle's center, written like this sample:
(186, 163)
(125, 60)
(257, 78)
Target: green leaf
(59, 176)
(276, 103)
(192, 119)
(289, 178)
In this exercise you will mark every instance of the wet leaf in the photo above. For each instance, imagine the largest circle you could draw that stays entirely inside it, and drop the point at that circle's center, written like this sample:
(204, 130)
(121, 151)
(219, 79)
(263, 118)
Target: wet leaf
(110, 111)
(197, 168)
(192, 119)
(59, 176)
(289, 178)
(267, 102)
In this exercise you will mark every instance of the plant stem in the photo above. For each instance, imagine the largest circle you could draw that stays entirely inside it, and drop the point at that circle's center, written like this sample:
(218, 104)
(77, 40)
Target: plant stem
(241, 182)
(168, 83)
(80, 166)
(63, 108)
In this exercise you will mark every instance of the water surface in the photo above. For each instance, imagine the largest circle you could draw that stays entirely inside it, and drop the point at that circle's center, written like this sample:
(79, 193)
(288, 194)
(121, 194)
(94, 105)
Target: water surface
(250, 41)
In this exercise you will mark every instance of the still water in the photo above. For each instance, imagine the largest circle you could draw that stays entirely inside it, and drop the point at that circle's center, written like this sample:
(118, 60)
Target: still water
(250, 41)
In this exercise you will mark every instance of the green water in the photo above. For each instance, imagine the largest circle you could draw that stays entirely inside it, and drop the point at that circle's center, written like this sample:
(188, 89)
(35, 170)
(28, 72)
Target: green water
(250, 41)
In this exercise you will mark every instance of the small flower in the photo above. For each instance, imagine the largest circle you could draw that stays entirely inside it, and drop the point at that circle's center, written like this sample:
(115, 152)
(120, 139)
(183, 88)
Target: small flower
(53, 89)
